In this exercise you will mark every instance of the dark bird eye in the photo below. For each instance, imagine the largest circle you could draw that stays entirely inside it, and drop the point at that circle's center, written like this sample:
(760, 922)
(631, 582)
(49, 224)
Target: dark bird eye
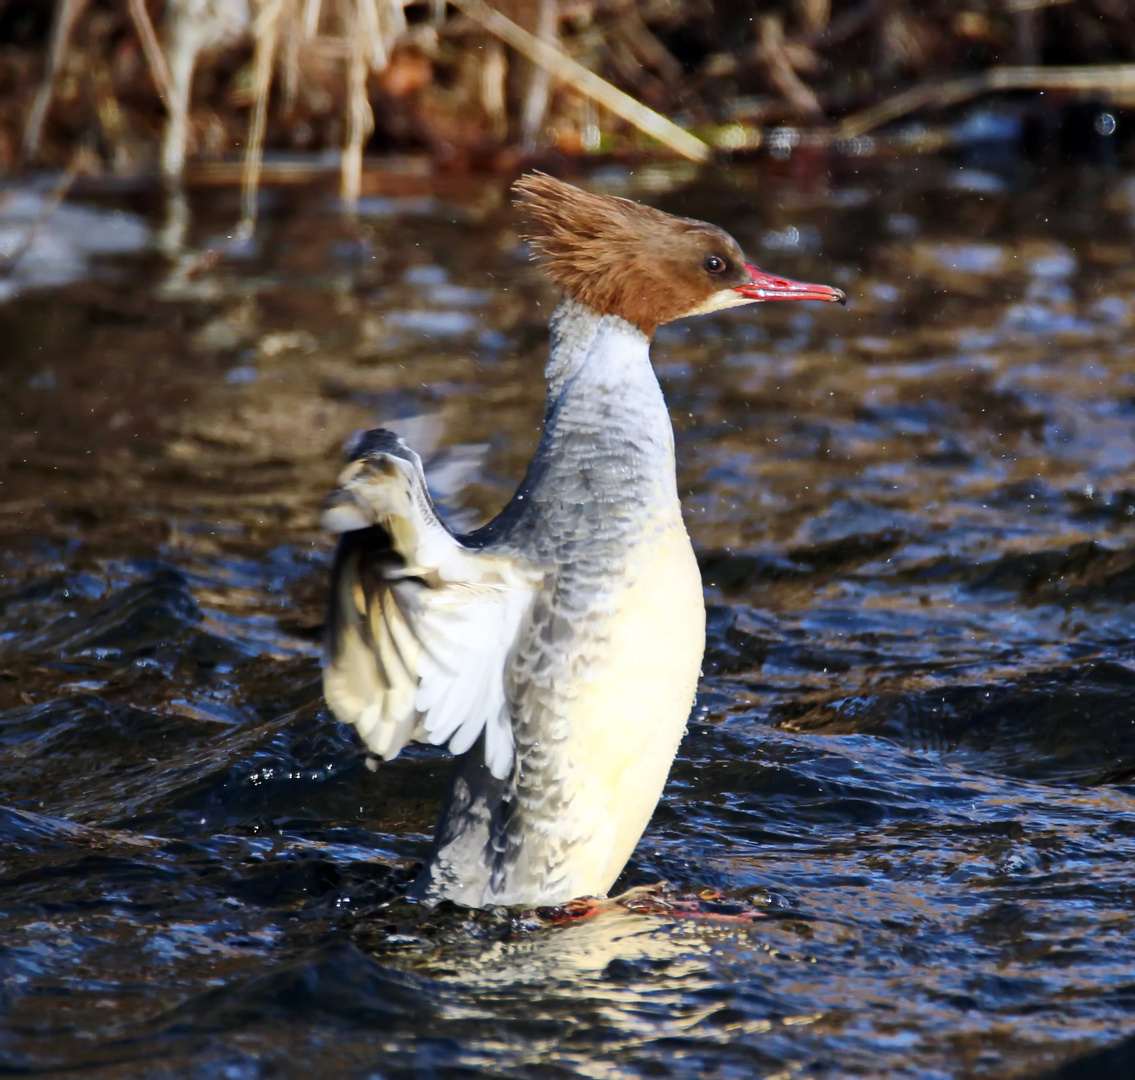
(715, 264)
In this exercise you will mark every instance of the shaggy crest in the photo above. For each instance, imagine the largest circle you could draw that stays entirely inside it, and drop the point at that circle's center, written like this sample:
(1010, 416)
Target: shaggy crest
(622, 258)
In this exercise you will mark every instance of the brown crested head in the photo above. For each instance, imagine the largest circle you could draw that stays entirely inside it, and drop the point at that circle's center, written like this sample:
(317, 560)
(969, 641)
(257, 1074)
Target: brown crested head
(622, 258)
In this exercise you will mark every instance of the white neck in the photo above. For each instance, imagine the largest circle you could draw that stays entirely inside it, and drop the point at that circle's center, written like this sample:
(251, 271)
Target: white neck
(606, 412)
(608, 444)
(582, 338)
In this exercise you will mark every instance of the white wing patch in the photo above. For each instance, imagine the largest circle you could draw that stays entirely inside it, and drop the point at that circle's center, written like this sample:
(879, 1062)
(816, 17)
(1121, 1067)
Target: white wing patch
(422, 629)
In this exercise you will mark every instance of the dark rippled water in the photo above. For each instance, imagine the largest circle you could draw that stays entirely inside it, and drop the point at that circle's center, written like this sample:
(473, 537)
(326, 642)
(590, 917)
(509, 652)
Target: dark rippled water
(914, 748)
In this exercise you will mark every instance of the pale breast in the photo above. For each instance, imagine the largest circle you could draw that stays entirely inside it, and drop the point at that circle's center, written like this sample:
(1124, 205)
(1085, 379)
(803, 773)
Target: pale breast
(628, 716)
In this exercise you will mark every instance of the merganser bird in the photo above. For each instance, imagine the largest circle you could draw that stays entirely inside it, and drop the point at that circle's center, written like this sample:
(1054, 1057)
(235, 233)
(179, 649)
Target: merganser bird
(556, 650)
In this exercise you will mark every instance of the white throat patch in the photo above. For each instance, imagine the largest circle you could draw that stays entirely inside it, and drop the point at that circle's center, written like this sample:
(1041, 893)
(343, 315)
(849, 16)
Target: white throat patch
(719, 301)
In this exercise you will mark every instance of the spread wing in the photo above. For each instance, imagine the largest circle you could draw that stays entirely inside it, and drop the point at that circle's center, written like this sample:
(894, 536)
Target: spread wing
(421, 629)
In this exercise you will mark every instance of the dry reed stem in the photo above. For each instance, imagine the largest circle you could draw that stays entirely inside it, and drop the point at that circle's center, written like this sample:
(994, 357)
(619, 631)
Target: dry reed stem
(64, 22)
(494, 76)
(773, 52)
(378, 25)
(107, 107)
(290, 65)
(267, 18)
(814, 16)
(360, 119)
(155, 57)
(539, 81)
(1114, 80)
(312, 9)
(80, 163)
(262, 66)
(228, 173)
(564, 68)
(648, 51)
(369, 31)
(1015, 7)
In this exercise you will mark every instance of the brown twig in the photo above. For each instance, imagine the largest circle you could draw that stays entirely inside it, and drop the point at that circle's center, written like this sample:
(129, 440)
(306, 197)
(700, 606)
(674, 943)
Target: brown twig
(264, 57)
(848, 25)
(378, 25)
(649, 51)
(539, 79)
(66, 15)
(312, 9)
(776, 55)
(155, 57)
(360, 119)
(814, 16)
(78, 164)
(494, 77)
(1014, 6)
(1111, 80)
(567, 70)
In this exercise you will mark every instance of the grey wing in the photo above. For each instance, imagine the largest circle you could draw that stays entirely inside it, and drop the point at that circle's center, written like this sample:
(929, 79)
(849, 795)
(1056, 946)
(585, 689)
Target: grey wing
(421, 629)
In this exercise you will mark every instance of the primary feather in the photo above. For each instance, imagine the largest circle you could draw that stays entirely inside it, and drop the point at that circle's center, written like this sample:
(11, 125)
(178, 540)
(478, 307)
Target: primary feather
(422, 628)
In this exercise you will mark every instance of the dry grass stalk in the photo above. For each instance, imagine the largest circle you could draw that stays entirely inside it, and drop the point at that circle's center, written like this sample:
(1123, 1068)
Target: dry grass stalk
(1114, 81)
(360, 119)
(814, 16)
(80, 163)
(780, 59)
(1016, 6)
(378, 25)
(648, 51)
(312, 9)
(369, 30)
(535, 107)
(494, 75)
(265, 30)
(159, 69)
(290, 66)
(268, 17)
(108, 109)
(563, 67)
(66, 15)
(192, 27)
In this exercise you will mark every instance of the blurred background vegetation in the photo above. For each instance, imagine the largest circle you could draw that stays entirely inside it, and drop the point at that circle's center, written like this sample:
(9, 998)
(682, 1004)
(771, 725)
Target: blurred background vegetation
(198, 87)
